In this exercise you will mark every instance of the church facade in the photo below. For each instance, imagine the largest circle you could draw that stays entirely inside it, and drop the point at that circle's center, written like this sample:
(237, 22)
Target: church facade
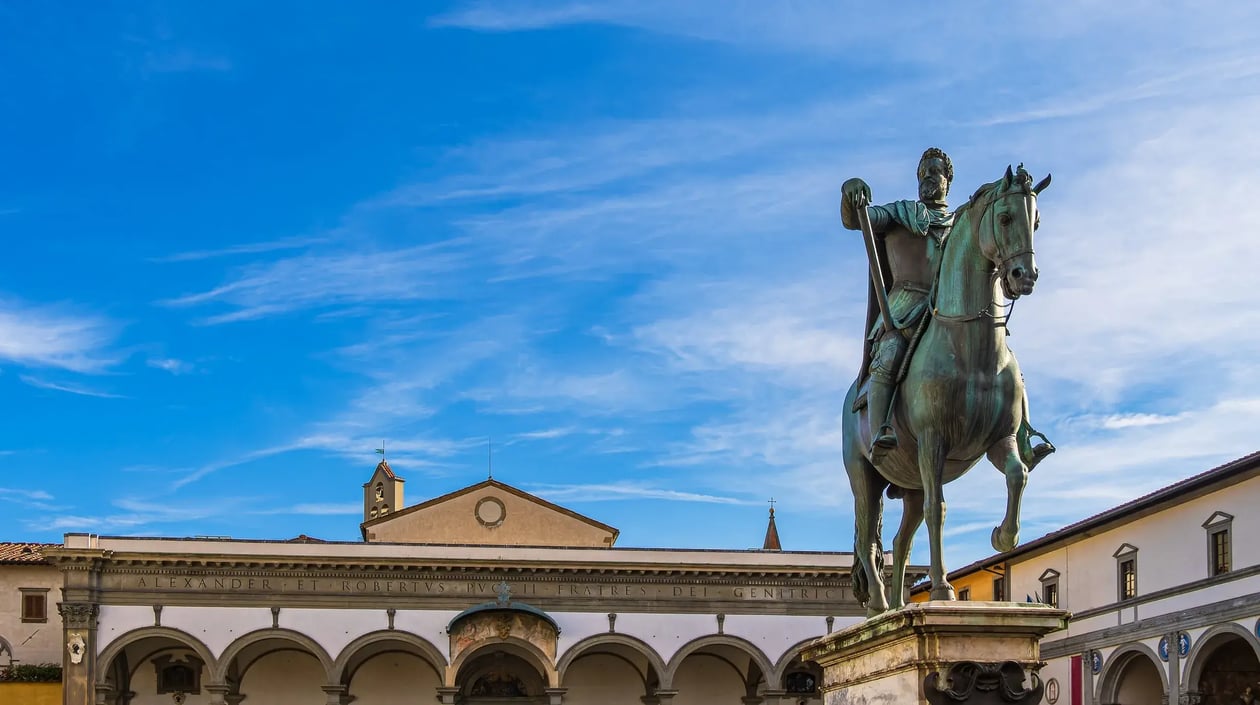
(486, 595)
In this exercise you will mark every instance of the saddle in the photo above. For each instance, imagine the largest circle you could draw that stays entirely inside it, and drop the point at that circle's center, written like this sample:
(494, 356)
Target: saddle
(864, 375)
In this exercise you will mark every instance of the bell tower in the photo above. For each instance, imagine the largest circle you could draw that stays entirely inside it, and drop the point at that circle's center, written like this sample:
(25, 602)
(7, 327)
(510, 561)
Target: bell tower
(382, 494)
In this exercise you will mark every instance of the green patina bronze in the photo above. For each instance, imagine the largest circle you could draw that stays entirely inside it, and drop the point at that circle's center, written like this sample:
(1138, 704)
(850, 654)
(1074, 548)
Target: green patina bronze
(943, 388)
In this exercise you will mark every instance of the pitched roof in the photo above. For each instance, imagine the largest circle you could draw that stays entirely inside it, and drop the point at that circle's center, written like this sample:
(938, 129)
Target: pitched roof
(384, 467)
(1192, 486)
(22, 552)
(500, 485)
(303, 538)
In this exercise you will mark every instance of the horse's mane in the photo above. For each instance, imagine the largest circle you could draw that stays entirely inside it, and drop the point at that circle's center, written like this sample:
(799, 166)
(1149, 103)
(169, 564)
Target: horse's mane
(981, 195)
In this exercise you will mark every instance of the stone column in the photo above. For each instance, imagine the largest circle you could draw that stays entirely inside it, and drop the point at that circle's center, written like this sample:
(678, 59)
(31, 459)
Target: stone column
(555, 696)
(446, 695)
(1174, 668)
(78, 660)
(337, 694)
(752, 700)
(1087, 679)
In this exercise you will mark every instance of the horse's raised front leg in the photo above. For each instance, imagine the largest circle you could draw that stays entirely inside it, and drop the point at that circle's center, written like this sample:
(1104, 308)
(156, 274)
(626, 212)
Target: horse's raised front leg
(931, 472)
(1005, 456)
(911, 520)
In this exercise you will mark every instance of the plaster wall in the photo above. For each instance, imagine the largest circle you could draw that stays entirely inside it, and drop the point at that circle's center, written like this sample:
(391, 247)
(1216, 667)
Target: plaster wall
(705, 679)
(392, 678)
(284, 678)
(603, 679)
(32, 642)
(525, 523)
(1172, 550)
(144, 682)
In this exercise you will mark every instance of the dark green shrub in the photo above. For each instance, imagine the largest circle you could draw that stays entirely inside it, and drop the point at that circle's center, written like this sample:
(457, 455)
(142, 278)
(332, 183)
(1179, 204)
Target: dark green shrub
(31, 673)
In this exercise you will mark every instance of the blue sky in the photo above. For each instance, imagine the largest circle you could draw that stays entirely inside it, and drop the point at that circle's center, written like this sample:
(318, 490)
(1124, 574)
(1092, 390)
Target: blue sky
(244, 243)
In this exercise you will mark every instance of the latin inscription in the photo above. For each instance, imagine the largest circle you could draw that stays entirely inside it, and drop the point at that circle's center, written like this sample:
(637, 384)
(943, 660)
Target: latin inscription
(431, 588)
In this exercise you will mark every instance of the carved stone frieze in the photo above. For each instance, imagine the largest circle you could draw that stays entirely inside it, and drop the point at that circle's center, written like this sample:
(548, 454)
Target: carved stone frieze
(982, 684)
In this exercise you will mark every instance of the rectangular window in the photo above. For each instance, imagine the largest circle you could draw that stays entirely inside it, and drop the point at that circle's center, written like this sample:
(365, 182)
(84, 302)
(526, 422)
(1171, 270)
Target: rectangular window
(34, 604)
(1128, 579)
(1050, 594)
(1220, 552)
(999, 588)
(964, 594)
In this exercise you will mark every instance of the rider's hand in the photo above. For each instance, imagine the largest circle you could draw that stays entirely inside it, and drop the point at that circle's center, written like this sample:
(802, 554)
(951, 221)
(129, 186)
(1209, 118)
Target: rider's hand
(856, 193)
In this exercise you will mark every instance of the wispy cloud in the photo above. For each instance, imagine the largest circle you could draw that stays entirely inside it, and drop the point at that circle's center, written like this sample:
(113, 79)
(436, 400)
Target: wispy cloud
(168, 364)
(626, 491)
(52, 336)
(68, 388)
(251, 248)
(184, 60)
(330, 280)
(21, 495)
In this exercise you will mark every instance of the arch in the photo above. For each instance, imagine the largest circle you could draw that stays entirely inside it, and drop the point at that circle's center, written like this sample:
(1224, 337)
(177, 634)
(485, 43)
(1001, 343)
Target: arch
(1205, 647)
(300, 641)
(793, 651)
(633, 643)
(1109, 679)
(342, 672)
(116, 647)
(6, 647)
(513, 645)
(758, 658)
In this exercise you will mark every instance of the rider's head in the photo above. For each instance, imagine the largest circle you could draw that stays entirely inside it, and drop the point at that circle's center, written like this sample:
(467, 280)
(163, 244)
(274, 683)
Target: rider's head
(936, 173)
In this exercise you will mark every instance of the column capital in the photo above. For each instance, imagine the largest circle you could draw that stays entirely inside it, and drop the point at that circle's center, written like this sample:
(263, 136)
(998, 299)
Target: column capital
(337, 694)
(78, 615)
(555, 696)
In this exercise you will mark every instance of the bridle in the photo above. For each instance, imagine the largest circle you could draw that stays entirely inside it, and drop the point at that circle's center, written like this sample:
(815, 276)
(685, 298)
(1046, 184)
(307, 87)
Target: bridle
(1002, 266)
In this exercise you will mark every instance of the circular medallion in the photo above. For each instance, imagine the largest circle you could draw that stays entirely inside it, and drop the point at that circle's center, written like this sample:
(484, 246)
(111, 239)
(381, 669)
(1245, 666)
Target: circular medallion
(1095, 662)
(1052, 691)
(1183, 644)
(490, 512)
(1163, 649)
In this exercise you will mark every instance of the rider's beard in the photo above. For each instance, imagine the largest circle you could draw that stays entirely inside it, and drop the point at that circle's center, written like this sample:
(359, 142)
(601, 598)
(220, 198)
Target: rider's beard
(932, 191)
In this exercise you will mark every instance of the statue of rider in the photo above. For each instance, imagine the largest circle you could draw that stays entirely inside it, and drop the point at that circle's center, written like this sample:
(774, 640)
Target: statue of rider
(910, 237)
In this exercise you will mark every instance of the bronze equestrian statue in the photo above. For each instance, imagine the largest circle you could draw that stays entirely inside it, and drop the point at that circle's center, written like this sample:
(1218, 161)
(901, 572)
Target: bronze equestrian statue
(943, 387)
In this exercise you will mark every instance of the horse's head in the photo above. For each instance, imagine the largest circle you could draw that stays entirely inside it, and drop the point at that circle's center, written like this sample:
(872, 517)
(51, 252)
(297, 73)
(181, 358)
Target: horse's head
(1006, 233)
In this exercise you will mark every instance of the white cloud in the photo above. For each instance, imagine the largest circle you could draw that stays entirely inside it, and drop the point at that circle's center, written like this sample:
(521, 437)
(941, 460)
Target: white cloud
(175, 367)
(68, 388)
(50, 336)
(617, 491)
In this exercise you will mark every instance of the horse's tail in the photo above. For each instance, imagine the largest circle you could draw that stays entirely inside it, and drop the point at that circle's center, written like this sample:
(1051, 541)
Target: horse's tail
(861, 581)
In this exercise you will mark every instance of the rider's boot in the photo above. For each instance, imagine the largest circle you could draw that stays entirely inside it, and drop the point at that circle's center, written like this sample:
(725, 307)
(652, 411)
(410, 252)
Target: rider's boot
(1040, 451)
(883, 437)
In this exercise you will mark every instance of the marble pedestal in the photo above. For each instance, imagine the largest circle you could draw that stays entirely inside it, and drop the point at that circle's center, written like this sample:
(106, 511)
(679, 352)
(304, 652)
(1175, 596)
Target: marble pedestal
(931, 653)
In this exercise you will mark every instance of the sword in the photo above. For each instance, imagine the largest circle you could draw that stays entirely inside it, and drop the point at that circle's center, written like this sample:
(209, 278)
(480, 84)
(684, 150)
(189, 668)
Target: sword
(872, 256)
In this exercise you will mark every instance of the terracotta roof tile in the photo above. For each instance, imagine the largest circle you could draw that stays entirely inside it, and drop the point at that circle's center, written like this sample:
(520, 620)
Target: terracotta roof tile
(21, 552)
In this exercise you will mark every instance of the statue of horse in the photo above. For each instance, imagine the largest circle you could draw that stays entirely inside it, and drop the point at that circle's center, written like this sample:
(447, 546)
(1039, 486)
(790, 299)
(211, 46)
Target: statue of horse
(962, 395)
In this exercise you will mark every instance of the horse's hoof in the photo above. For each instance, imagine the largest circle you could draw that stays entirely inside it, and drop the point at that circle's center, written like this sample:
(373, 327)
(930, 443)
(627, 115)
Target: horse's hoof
(1002, 542)
(943, 592)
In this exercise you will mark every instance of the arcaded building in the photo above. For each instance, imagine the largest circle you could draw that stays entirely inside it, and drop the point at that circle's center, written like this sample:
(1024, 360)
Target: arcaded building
(485, 595)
